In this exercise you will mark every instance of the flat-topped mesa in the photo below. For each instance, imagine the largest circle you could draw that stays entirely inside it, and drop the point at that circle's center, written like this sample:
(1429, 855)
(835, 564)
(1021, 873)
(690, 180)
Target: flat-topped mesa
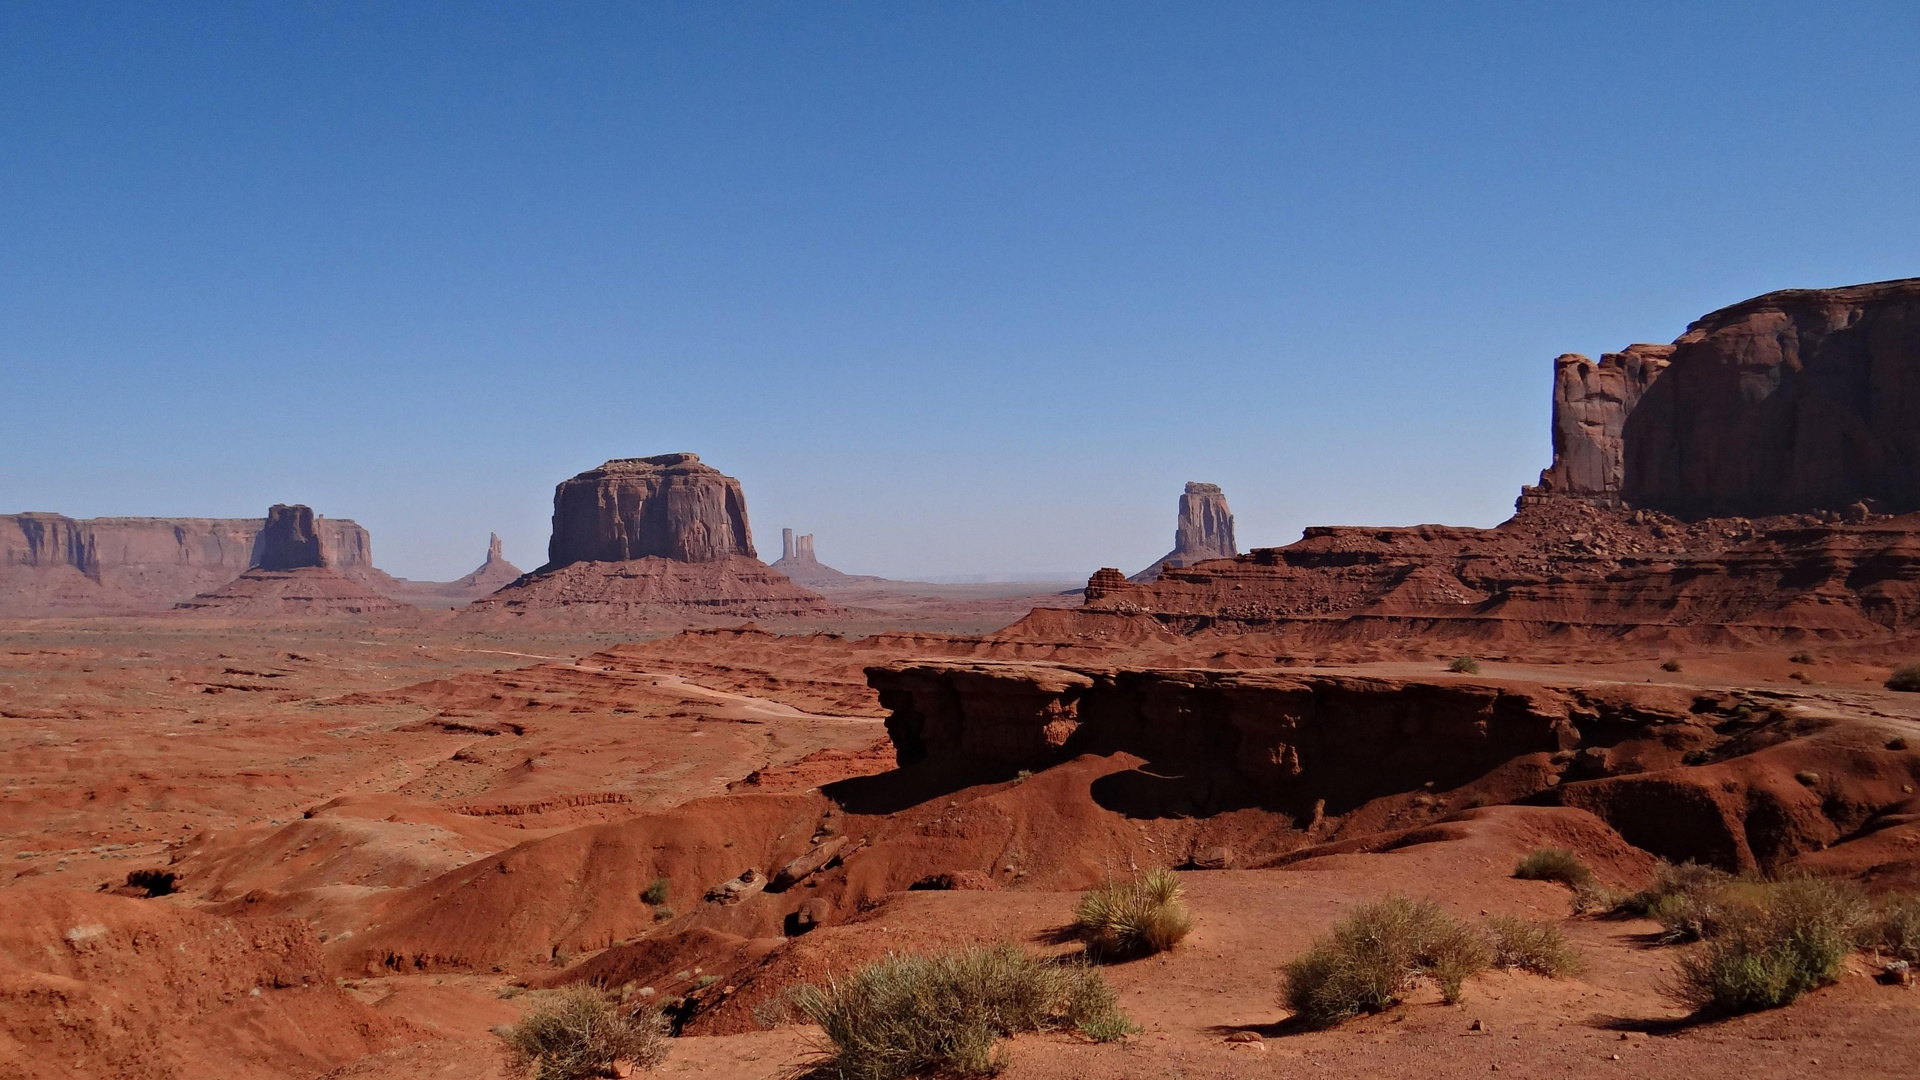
(1204, 530)
(670, 506)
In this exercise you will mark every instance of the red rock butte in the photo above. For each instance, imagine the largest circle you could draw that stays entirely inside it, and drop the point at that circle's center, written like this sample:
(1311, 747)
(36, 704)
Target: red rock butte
(663, 536)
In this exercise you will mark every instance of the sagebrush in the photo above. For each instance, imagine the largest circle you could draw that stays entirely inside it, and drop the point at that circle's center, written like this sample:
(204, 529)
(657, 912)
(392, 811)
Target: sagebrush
(1125, 919)
(1554, 864)
(1541, 948)
(1773, 942)
(1905, 677)
(1370, 958)
(581, 1034)
(947, 1013)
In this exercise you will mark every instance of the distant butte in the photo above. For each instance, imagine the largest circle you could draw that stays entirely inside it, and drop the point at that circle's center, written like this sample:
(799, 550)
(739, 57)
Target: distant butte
(1203, 531)
(653, 537)
(293, 575)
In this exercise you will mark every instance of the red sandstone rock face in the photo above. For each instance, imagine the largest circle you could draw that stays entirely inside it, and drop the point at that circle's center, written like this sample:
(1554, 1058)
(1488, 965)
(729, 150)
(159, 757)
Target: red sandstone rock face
(1804, 399)
(56, 565)
(1591, 403)
(1560, 575)
(670, 506)
(290, 539)
(1204, 530)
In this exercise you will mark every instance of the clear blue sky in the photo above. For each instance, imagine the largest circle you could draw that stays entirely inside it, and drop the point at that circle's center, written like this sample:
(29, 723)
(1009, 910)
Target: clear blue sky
(960, 288)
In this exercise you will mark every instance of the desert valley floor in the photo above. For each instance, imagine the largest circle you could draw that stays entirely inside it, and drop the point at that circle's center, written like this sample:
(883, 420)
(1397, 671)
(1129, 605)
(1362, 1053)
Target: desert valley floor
(384, 841)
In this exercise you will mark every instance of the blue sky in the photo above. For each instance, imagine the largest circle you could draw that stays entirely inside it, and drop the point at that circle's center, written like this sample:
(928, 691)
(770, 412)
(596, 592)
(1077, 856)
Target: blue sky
(959, 288)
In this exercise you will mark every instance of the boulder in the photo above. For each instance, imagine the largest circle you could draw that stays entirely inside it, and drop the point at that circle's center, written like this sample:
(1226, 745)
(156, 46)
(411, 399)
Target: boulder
(734, 890)
(669, 506)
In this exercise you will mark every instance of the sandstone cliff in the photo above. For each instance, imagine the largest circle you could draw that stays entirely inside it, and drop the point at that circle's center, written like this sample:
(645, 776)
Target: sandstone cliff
(670, 506)
(1805, 399)
(1204, 530)
(1797, 401)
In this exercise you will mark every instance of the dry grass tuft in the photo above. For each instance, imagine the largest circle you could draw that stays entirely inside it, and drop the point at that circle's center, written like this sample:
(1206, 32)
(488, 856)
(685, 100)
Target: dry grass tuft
(1137, 918)
(1464, 665)
(947, 1014)
(1370, 959)
(1537, 947)
(581, 1034)
(1555, 864)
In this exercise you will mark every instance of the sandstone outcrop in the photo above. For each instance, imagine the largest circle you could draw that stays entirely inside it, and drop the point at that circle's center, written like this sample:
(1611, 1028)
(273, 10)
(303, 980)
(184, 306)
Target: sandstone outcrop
(1562, 577)
(1204, 530)
(1798, 401)
(290, 540)
(1733, 488)
(798, 562)
(669, 506)
(490, 576)
(654, 539)
(51, 564)
(1590, 407)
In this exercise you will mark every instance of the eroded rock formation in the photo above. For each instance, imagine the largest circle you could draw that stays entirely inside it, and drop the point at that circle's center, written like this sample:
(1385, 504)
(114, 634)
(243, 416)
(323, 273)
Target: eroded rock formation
(660, 538)
(669, 506)
(798, 562)
(53, 564)
(1798, 401)
(290, 540)
(1204, 530)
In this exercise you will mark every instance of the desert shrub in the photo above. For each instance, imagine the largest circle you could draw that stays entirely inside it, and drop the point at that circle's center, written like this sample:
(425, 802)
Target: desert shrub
(1370, 958)
(1683, 899)
(1122, 919)
(1671, 664)
(1894, 928)
(1800, 658)
(1779, 941)
(656, 891)
(581, 1034)
(1905, 677)
(1464, 665)
(1554, 864)
(946, 1013)
(1537, 947)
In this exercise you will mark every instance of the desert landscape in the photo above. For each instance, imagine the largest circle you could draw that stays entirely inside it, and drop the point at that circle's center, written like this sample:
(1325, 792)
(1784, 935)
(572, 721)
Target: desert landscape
(1623, 786)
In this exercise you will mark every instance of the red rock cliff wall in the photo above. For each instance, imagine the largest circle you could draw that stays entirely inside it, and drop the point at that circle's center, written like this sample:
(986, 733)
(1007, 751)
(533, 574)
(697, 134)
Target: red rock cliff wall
(670, 506)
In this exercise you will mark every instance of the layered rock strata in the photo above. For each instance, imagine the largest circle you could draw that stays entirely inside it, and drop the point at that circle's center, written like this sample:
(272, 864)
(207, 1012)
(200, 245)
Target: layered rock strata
(1556, 579)
(1204, 530)
(1715, 776)
(293, 575)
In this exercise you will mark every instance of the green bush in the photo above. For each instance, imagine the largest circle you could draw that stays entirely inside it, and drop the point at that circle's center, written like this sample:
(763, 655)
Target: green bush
(1537, 947)
(1554, 864)
(1123, 919)
(1370, 959)
(947, 1013)
(1777, 942)
(656, 892)
(581, 1034)
(1464, 665)
(1905, 677)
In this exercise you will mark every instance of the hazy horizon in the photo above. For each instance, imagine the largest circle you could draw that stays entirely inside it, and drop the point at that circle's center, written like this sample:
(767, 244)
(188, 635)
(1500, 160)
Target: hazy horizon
(961, 290)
